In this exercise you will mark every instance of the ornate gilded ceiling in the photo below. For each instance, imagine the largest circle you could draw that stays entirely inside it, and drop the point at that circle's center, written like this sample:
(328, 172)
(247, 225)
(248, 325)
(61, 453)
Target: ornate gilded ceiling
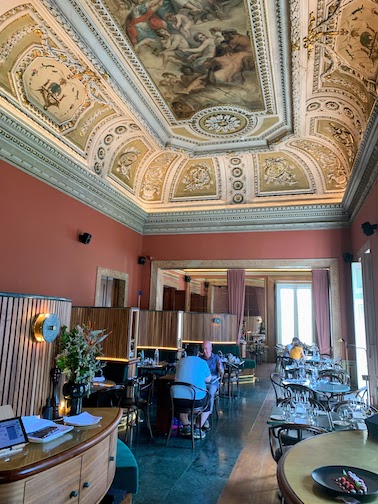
(194, 116)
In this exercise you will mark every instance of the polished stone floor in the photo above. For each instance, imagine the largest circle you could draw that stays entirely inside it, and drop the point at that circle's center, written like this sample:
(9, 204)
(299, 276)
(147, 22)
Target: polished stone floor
(176, 473)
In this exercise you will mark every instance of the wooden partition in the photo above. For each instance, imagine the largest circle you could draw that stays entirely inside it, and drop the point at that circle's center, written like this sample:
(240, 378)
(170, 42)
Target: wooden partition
(209, 326)
(159, 329)
(122, 323)
(25, 364)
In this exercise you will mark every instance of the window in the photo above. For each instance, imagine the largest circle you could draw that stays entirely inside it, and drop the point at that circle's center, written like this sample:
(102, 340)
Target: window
(294, 313)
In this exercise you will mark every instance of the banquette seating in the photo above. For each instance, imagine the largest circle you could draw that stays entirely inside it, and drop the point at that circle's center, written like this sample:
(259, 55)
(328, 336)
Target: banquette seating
(234, 349)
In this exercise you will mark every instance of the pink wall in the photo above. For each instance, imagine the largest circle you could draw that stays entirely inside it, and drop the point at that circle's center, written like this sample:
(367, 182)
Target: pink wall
(256, 245)
(368, 212)
(39, 248)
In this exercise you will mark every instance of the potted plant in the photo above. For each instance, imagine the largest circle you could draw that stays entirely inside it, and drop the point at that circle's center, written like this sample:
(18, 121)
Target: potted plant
(77, 359)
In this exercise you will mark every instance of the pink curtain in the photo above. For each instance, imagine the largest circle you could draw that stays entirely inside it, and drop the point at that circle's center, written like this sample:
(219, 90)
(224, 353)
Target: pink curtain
(236, 296)
(320, 301)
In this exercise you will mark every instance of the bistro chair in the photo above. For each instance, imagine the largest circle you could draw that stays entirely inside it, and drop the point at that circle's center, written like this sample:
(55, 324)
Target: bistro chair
(299, 392)
(190, 408)
(283, 437)
(334, 375)
(231, 377)
(312, 402)
(279, 390)
(138, 397)
(112, 397)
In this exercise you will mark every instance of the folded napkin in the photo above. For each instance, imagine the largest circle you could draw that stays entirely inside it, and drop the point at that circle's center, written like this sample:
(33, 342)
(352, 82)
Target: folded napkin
(82, 420)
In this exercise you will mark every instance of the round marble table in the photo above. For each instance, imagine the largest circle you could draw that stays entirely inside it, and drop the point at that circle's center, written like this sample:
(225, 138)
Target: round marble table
(345, 448)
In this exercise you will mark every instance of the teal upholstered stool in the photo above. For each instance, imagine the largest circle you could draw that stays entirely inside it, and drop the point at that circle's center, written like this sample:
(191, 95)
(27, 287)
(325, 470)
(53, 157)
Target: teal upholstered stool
(127, 471)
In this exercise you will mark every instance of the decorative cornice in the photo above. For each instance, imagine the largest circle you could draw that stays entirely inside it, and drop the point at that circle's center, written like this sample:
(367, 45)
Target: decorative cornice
(365, 170)
(36, 156)
(248, 219)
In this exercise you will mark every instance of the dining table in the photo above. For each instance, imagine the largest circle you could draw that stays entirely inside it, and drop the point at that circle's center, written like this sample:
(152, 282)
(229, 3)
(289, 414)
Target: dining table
(333, 451)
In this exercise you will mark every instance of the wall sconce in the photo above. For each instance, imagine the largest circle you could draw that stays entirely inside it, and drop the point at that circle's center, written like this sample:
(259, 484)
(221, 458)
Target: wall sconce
(217, 320)
(368, 229)
(85, 238)
(46, 327)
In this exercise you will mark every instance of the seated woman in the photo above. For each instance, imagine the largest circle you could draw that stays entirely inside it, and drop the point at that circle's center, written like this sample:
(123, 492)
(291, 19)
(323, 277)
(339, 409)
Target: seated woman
(296, 351)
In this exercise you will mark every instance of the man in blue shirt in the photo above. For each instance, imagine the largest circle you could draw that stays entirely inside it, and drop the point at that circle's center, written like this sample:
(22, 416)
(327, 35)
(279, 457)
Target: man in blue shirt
(217, 371)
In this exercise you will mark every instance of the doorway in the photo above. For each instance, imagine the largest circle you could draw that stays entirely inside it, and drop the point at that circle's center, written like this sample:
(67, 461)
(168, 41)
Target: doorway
(111, 288)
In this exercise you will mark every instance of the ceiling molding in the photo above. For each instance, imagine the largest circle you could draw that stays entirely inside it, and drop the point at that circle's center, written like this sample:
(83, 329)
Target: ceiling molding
(35, 156)
(325, 216)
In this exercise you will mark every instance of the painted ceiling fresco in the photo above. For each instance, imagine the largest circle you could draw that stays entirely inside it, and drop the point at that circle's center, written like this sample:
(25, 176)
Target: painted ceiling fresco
(199, 54)
(153, 110)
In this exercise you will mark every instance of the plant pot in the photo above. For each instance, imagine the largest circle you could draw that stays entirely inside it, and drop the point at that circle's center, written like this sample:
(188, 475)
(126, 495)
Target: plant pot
(74, 393)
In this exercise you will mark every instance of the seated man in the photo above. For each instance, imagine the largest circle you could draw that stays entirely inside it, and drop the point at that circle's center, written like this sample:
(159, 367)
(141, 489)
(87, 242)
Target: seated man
(191, 369)
(217, 371)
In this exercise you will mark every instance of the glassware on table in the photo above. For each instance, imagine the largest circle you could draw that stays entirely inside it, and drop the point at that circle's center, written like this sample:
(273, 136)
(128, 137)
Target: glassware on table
(310, 415)
(287, 413)
(346, 414)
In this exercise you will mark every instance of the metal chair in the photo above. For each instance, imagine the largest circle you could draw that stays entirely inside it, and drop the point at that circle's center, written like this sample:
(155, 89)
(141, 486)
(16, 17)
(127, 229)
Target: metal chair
(141, 399)
(312, 402)
(283, 437)
(192, 407)
(334, 375)
(231, 377)
(297, 391)
(279, 390)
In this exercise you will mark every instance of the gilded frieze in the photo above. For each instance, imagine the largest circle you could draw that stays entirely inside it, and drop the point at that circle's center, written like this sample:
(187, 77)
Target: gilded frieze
(280, 173)
(341, 136)
(154, 177)
(197, 179)
(128, 161)
(335, 174)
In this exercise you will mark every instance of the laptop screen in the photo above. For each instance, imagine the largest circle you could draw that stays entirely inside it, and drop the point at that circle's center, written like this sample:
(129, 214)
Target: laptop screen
(12, 433)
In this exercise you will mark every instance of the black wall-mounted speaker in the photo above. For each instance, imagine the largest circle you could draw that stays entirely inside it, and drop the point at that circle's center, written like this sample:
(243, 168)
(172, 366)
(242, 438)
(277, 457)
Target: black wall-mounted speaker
(85, 238)
(187, 278)
(141, 260)
(348, 257)
(368, 229)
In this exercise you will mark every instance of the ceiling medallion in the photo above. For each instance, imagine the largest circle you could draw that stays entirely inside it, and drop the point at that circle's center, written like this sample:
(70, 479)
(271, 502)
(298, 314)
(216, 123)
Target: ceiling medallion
(223, 121)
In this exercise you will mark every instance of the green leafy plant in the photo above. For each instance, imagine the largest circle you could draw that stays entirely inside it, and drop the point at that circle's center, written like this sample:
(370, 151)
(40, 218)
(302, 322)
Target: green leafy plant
(78, 352)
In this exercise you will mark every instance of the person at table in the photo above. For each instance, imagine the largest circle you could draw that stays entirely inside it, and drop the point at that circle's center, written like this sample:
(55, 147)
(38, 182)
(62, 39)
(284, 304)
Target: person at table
(217, 371)
(289, 346)
(297, 352)
(191, 369)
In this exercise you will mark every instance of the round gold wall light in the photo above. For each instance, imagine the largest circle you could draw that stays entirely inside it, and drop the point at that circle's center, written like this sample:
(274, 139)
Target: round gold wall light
(46, 327)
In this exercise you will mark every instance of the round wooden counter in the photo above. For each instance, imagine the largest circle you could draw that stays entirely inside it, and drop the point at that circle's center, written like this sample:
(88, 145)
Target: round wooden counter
(78, 467)
(344, 448)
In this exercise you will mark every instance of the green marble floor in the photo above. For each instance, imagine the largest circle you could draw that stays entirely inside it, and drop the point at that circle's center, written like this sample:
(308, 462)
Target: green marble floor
(176, 473)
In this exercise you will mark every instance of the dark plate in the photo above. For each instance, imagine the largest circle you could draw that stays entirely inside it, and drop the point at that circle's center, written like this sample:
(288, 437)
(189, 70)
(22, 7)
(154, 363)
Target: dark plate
(326, 475)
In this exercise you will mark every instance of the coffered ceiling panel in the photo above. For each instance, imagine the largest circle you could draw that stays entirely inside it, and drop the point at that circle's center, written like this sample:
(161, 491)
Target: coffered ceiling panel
(194, 116)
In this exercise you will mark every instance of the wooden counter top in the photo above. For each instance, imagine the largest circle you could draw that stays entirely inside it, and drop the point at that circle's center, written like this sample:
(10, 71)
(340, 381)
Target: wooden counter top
(37, 457)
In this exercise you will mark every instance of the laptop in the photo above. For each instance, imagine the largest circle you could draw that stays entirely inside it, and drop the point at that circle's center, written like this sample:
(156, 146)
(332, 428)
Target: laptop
(13, 437)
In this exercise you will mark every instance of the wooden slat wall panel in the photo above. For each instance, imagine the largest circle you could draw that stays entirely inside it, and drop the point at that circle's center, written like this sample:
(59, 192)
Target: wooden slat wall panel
(200, 327)
(25, 364)
(115, 320)
(158, 329)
